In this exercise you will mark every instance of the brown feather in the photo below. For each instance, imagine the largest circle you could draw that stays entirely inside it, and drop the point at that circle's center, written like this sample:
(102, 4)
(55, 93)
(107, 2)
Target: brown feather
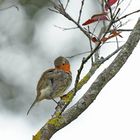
(53, 82)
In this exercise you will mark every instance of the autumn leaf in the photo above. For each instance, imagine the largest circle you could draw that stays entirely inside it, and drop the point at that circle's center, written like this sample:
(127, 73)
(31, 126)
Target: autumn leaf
(100, 14)
(94, 18)
(113, 34)
(94, 39)
(109, 4)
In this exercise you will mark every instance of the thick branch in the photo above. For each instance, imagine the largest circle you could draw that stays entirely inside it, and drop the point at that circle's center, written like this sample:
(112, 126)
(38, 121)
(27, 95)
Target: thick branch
(56, 123)
(105, 76)
(66, 99)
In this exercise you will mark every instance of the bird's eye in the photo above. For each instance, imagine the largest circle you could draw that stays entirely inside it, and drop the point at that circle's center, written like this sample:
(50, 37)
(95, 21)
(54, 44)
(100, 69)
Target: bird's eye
(63, 64)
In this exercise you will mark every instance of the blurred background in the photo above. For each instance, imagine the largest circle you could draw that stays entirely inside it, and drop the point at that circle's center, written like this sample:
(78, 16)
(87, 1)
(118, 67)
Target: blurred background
(29, 43)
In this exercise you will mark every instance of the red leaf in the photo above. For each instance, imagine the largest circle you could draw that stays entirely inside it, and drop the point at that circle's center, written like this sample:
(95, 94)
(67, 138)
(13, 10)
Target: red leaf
(116, 33)
(113, 34)
(110, 3)
(94, 39)
(100, 14)
(95, 18)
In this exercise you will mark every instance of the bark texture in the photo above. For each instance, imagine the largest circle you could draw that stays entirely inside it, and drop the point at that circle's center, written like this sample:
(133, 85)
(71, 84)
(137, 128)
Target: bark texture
(58, 122)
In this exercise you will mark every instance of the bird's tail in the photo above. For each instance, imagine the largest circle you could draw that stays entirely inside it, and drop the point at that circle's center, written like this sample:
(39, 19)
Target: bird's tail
(32, 106)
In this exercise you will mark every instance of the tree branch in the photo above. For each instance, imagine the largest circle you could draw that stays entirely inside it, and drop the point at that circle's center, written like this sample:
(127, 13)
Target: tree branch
(58, 122)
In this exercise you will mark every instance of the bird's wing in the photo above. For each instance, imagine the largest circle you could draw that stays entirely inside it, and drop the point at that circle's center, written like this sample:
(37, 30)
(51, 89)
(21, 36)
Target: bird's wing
(43, 82)
(46, 79)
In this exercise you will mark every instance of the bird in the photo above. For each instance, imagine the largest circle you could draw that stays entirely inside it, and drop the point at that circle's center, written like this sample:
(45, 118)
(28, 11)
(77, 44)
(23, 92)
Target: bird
(54, 81)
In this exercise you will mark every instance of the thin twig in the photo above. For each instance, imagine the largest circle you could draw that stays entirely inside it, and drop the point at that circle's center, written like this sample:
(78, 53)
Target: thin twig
(60, 2)
(67, 4)
(99, 37)
(122, 24)
(115, 14)
(110, 10)
(117, 42)
(89, 56)
(102, 5)
(69, 57)
(91, 48)
(95, 26)
(112, 54)
(125, 30)
(10, 7)
(62, 11)
(112, 41)
(53, 10)
(127, 15)
(91, 33)
(82, 53)
(102, 30)
(65, 29)
(116, 8)
(80, 12)
(126, 7)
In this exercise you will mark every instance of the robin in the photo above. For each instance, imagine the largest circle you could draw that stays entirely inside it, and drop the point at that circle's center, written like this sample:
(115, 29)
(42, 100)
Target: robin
(54, 82)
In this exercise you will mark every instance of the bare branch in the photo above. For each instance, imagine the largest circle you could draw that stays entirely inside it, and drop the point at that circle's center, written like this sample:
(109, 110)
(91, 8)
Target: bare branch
(58, 122)
(63, 104)
(65, 29)
(88, 57)
(62, 11)
(77, 54)
(67, 4)
(53, 10)
(102, 31)
(91, 48)
(126, 7)
(127, 15)
(15, 6)
(63, 117)
(125, 30)
(105, 76)
(80, 12)
(110, 10)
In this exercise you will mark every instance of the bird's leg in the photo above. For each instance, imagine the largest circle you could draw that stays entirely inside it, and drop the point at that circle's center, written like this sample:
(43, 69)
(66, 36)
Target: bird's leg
(59, 104)
(54, 100)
